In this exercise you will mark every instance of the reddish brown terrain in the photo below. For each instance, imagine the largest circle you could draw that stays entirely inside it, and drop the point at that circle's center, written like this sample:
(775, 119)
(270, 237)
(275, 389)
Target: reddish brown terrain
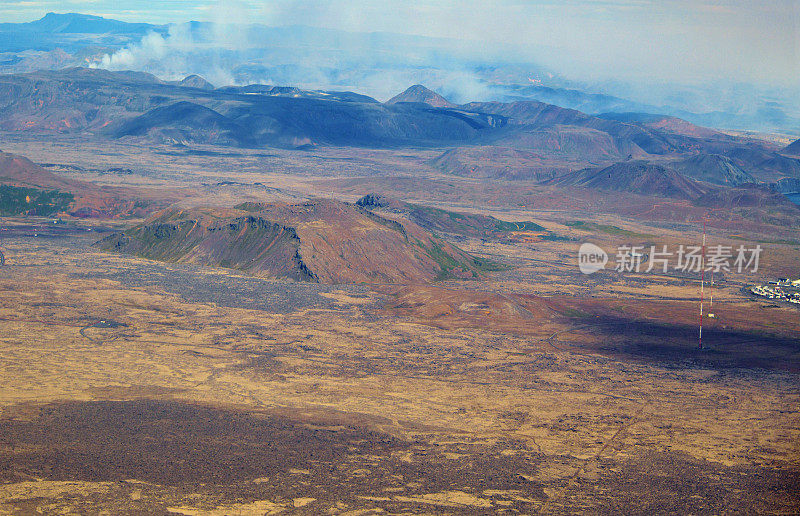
(307, 302)
(321, 241)
(88, 199)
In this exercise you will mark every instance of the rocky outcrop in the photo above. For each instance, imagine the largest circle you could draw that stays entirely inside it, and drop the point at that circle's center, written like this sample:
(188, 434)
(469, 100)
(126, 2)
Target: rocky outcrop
(321, 241)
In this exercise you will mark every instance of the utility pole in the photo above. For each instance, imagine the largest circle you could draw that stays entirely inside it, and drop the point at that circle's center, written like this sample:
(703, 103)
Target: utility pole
(702, 286)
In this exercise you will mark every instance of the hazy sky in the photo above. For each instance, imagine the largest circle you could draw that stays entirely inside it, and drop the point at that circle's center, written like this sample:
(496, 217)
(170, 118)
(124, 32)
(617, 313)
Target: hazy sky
(680, 40)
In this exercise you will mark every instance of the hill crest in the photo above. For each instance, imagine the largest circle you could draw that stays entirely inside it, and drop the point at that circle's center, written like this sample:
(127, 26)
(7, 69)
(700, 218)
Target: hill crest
(320, 241)
(46, 193)
(638, 177)
(420, 94)
(793, 149)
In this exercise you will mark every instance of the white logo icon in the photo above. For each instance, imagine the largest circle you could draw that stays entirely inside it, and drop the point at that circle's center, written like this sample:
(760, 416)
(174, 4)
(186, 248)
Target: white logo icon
(591, 258)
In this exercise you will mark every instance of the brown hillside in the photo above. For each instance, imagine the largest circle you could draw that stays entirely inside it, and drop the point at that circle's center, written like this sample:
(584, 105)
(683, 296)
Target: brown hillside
(635, 177)
(20, 171)
(490, 162)
(89, 200)
(323, 241)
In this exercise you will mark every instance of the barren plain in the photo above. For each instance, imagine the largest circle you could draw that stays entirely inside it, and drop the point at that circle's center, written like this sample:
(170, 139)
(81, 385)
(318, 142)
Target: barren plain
(132, 386)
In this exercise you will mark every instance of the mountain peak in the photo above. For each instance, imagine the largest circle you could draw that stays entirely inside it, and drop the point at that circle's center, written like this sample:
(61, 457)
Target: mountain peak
(196, 81)
(419, 93)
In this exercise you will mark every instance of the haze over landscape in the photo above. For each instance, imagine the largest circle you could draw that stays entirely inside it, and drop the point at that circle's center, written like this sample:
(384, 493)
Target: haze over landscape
(653, 56)
(452, 257)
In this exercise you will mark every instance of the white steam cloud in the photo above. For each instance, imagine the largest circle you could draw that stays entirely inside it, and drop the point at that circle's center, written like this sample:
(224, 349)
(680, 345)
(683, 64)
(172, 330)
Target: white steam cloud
(569, 45)
(172, 56)
(233, 52)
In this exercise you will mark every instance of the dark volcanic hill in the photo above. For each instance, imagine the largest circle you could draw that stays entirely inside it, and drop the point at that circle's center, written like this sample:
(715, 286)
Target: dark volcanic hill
(776, 167)
(793, 149)
(420, 94)
(322, 241)
(713, 168)
(755, 202)
(256, 120)
(185, 122)
(748, 196)
(531, 117)
(667, 124)
(636, 177)
(491, 162)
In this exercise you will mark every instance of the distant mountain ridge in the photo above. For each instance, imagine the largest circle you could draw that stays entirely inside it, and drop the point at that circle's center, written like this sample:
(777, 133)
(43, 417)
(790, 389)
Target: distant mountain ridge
(286, 53)
(523, 140)
(76, 23)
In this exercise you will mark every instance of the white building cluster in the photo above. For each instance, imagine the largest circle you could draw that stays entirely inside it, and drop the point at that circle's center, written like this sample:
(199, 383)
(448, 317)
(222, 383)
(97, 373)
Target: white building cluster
(785, 289)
